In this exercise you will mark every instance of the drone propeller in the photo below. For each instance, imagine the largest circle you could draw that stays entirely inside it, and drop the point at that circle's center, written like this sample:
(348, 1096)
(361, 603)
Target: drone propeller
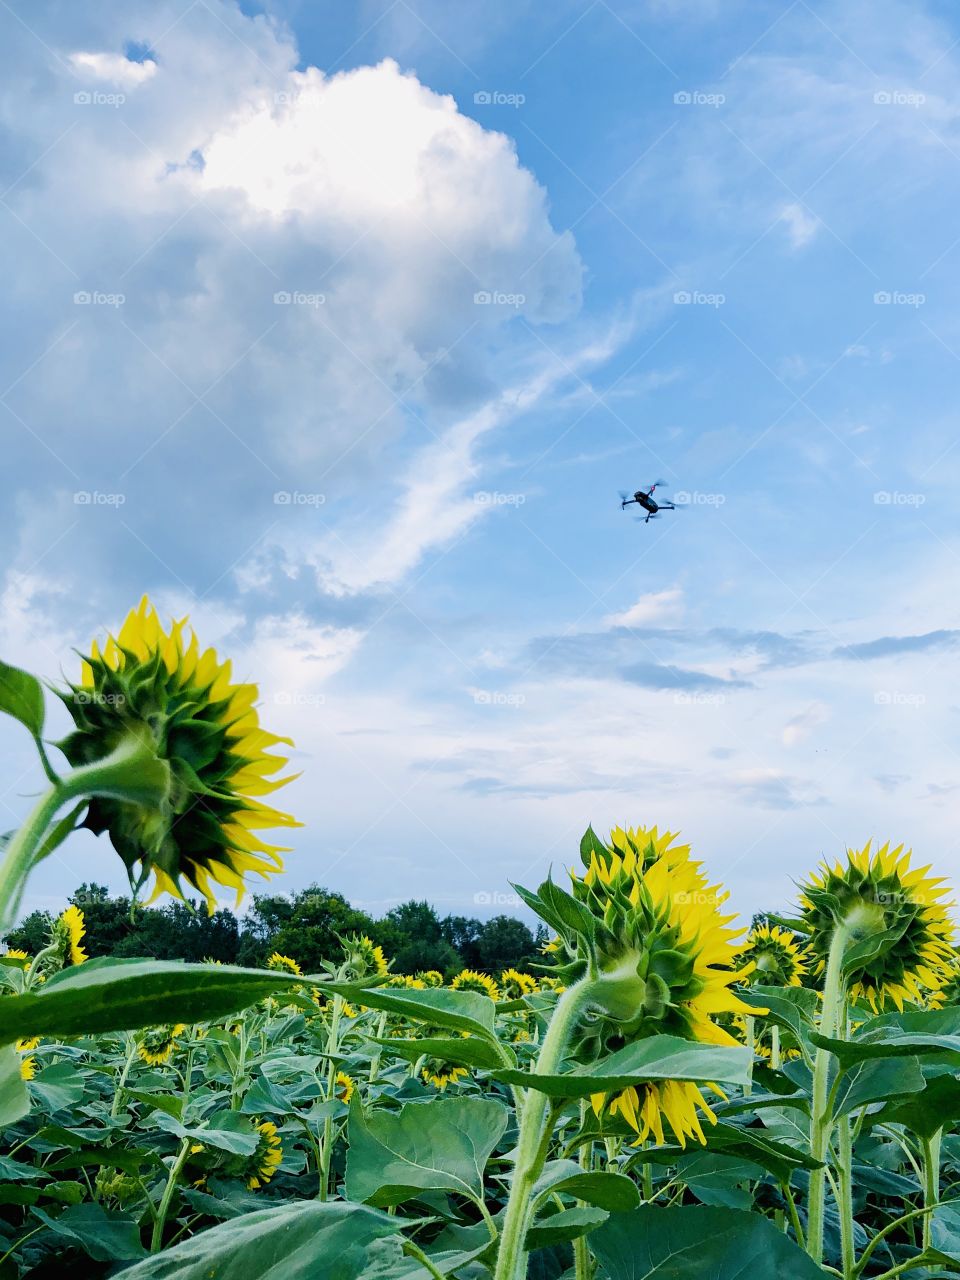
(624, 495)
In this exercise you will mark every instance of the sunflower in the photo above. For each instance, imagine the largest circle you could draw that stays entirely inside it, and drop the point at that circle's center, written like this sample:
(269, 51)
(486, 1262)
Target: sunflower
(67, 931)
(665, 957)
(26, 1046)
(440, 1074)
(898, 912)
(267, 1156)
(471, 980)
(343, 1087)
(155, 692)
(431, 978)
(780, 961)
(406, 980)
(21, 957)
(514, 984)
(364, 957)
(28, 1068)
(278, 961)
(157, 1045)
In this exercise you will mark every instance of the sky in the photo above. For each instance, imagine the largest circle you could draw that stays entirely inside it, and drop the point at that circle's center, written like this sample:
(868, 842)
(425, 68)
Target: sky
(338, 328)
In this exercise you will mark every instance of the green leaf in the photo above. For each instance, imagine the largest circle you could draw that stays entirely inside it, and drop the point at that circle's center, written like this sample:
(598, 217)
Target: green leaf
(657, 1058)
(121, 995)
(926, 1112)
(455, 1010)
(21, 696)
(58, 1087)
(793, 1008)
(305, 1240)
(168, 1102)
(698, 1242)
(605, 1190)
(568, 1224)
(14, 1099)
(469, 1051)
(749, 1144)
(106, 1237)
(873, 1081)
(934, 1032)
(440, 1146)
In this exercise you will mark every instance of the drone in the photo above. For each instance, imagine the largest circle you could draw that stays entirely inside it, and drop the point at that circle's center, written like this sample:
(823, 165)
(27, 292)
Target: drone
(644, 498)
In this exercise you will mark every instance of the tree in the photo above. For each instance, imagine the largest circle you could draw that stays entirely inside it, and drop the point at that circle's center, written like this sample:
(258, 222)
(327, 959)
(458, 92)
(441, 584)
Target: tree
(309, 934)
(106, 919)
(412, 935)
(504, 943)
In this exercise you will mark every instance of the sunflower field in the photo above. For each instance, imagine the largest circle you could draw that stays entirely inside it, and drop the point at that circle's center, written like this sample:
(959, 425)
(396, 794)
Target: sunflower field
(667, 1095)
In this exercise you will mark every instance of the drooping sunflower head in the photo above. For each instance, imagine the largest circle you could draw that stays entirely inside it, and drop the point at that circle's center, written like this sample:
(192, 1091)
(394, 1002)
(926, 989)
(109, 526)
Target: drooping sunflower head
(364, 957)
(157, 689)
(635, 846)
(514, 984)
(407, 981)
(343, 1086)
(897, 922)
(440, 1074)
(283, 963)
(472, 980)
(269, 1153)
(158, 1043)
(779, 959)
(431, 978)
(66, 933)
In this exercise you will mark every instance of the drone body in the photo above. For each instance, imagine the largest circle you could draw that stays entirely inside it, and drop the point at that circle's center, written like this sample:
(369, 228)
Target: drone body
(644, 498)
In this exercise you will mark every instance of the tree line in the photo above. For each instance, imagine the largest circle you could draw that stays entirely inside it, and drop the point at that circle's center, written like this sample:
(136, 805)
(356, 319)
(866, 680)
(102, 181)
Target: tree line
(304, 925)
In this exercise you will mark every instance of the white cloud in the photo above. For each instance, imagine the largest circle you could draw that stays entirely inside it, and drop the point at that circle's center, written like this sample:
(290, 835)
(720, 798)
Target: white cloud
(656, 609)
(113, 67)
(801, 225)
(801, 726)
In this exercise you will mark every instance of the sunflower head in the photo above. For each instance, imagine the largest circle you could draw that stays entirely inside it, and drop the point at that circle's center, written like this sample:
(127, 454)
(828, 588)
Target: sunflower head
(472, 980)
(431, 978)
(155, 692)
(364, 957)
(779, 959)
(897, 924)
(283, 963)
(440, 1074)
(157, 1045)
(514, 984)
(343, 1086)
(66, 933)
(646, 929)
(269, 1153)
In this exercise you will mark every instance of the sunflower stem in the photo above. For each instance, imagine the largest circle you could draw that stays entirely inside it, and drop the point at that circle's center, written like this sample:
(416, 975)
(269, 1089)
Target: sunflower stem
(156, 1239)
(821, 1119)
(930, 1148)
(535, 1131)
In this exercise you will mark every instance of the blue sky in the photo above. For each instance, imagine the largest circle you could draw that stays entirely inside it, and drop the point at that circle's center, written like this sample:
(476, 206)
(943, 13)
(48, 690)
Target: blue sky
(339, 328)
